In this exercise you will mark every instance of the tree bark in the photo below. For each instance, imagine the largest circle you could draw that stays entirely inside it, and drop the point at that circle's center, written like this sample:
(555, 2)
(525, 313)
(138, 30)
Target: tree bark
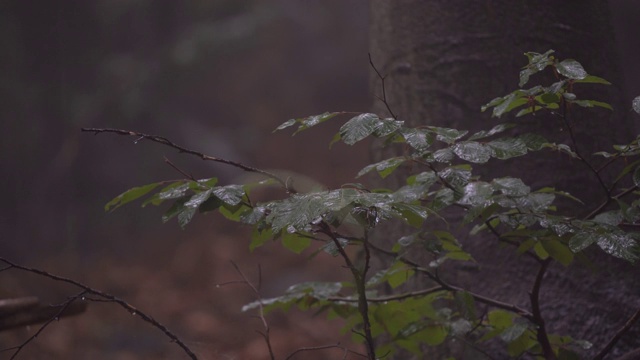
(444, 59)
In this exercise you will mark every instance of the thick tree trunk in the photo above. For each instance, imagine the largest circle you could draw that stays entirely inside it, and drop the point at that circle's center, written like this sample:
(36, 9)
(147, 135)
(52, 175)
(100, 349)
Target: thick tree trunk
(443, 60)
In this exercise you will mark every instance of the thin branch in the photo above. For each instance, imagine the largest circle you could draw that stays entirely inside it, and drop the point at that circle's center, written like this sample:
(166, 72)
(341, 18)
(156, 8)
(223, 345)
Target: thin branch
(164, 141)
(261, 316)
(384, 91)
(323, 347)
(62, 308)
(569, 125)
(597, 210)
(480, 298)
(130, 308)
(397, 297)
(623, 330)
(189, 176)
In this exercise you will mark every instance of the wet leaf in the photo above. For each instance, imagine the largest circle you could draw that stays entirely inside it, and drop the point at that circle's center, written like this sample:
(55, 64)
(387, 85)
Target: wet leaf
(571, 69)
(472, 151)
(129, 196)
(507, 148)
(636, 104)
(384, 167)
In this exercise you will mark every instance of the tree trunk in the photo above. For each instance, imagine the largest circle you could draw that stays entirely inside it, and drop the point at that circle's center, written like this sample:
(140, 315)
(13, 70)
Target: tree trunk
(444, 59)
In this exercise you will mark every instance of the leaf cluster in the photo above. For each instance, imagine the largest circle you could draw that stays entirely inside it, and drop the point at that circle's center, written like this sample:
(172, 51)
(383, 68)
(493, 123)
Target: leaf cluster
(441, 175)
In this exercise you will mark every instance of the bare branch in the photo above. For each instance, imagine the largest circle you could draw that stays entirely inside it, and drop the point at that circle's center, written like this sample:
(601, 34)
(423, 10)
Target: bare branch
(623, 330)
(61, 309)
(111, 298)
(384, 90)
(261, 316)
(162, 140)
(314, 348)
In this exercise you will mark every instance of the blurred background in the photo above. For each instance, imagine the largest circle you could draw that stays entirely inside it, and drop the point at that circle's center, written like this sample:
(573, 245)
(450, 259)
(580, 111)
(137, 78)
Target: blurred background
(216, 77)
(213, 76)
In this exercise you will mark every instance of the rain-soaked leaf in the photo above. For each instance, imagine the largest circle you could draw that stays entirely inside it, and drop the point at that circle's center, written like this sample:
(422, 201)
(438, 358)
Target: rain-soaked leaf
(472, 151)
(307, 122)
(507, 148)
(384, 167)
(495, 130)
(571, 69)
(364, 125)
(636, 104)
(510, 186)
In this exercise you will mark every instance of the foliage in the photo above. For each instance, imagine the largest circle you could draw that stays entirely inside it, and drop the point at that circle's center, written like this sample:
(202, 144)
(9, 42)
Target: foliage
(440, 174)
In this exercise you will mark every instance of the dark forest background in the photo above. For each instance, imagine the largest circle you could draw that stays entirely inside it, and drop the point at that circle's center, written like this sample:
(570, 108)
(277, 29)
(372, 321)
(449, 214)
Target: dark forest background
(214, 76)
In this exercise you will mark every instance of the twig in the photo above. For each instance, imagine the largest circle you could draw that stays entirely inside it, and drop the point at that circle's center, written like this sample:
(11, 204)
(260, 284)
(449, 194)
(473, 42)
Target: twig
(189, 176)
(569, 125)
(480, 298)
(261, 316)
(384, 91)
(133, 310)
(323, 347)
(63, 308)
(623, 330)
(383, 299)
(167, 142)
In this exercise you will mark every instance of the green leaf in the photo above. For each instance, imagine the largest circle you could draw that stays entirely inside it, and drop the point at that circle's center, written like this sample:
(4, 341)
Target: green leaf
(259, 237)
(581, 241)
(432, 335)
(476, 193)
(129, 196)
(495, 130)
(384, 167)
(413, 215)
(559, 251)
(500, 319)
(418, 139)
(230, 194)
(623, 246)
(510, 186)
(174, 192)
(509, 103)
(507, 148)
(447, 135)
(466, 304)
(456, 176)
(613, 218)
(540, 251)
(566, 354)
(537, 62)
(307, 122)
(513, 332)
(472, 151)
(295, 242)
(387, 126)
(592, 103)
(593, 80)
(636, 176)
(364, 125)
(533, 142)
(571, 69)
(445, 155)
(234, 212)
